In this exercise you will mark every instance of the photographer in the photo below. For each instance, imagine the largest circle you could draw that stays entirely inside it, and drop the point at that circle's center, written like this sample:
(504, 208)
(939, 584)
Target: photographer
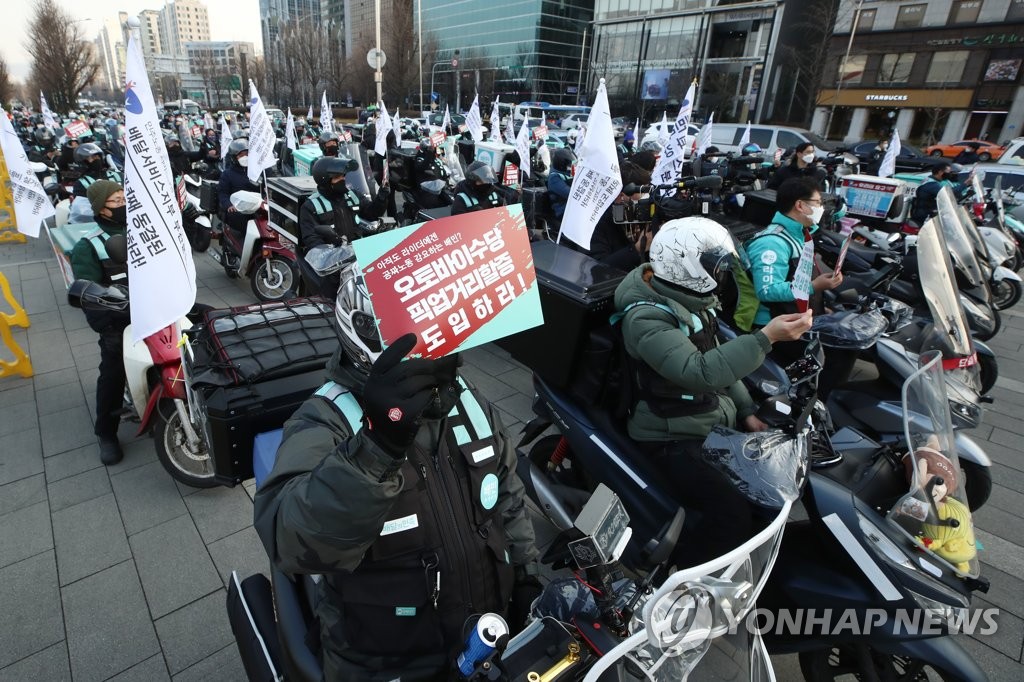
(610, 243)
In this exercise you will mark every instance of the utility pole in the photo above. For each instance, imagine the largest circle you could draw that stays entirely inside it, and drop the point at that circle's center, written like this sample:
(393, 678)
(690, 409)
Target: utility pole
(842, 69)
(419, 48)
(377, 76)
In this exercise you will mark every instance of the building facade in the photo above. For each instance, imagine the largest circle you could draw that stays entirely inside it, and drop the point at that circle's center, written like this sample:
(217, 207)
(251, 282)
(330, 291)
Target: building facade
(273, 12)
(517, 49)
(742, 55)
(111, 44)
(942, 70)
(183, 21)
(218, 72)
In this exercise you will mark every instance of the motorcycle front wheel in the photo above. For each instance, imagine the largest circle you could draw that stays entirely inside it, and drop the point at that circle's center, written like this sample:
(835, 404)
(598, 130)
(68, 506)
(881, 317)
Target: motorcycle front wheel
(978, 485)
(1006, 293)
(200, 239)
(191, 466)
(859, 661)
(274, 279)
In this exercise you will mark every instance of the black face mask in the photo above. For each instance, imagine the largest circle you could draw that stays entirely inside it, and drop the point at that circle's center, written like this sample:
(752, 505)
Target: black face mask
(483, 190)
(331, 151)
(119, 215)
(175, 151)
(98, 165)
(337, 189)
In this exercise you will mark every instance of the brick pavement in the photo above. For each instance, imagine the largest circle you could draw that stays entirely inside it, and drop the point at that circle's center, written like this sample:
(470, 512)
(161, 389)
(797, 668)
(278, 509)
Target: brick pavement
(117, 573)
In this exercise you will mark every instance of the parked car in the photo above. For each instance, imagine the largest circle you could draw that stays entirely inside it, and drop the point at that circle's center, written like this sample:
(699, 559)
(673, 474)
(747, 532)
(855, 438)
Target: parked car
(726, 136)
(1013, 180)
(620, 124)
(910, 157)
(574, 121)
(1014, 153)
(436, 119)
(987, 151)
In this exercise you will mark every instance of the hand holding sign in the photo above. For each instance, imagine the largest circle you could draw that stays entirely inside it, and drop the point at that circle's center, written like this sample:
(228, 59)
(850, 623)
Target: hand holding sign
(842, 257)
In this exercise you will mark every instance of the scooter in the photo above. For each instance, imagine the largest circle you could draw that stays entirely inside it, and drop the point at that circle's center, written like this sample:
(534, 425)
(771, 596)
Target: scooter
(858, 552)
(259, 252)
(195, 221)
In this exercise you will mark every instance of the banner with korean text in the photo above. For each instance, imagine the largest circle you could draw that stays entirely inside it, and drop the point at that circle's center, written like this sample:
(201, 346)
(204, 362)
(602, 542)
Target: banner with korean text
(456, 283)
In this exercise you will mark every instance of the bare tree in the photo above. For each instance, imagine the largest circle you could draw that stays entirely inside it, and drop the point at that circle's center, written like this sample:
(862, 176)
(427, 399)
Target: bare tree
(6, 87)
(204, 64)
(806, 63)
(63, 62)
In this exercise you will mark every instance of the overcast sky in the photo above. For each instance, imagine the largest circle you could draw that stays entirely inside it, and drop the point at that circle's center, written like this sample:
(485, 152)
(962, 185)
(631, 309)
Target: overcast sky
(229, 20)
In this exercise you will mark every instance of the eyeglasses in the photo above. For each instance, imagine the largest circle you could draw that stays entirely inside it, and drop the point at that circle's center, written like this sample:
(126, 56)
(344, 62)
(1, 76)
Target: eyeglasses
(115, 202)
(812, 201)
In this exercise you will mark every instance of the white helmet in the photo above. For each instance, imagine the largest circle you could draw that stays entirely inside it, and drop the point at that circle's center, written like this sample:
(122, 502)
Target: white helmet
(357, 325)
(691, 253)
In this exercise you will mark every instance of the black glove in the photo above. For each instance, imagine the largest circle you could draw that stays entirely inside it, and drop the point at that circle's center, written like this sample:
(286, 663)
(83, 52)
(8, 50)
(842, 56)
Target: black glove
(396, 395)
(524, 592)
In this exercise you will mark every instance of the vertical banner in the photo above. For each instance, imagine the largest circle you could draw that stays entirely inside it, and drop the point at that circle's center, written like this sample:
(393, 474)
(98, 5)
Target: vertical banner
(225, 137)
(289, 131)
(510, 128)
(31, 205)
(326, 115)
(261, 137)
(446, 122)
(49, 120)
(384, 126)
(704, 136)
(745, 138)
(670, 163)
(309, 115)
(474, 122)
(888, 166)
(456, 282)
(801, 284)
(495, 134)
(523, 146)
(663, 131)
(161, 273)
(597, 181)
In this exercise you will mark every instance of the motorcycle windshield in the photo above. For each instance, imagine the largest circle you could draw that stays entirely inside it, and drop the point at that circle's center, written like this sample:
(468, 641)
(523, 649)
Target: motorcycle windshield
(939, 286)
(769, 468)
(699, 607)
(959, 243)
(997, 192)
(934, 513)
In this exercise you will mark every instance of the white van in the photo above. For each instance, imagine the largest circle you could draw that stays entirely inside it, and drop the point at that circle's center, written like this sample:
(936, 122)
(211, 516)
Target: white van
(1014, 154)
(726, 136)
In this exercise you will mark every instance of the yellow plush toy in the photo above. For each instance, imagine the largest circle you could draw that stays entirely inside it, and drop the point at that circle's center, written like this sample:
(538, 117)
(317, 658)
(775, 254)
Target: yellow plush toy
(954, 543)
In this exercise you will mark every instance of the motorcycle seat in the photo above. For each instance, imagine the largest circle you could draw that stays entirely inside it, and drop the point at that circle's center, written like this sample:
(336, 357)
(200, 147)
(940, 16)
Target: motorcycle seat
(296, 625)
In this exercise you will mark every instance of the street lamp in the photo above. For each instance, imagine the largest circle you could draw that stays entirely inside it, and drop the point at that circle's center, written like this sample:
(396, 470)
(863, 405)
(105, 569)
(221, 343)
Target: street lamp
(842, 66)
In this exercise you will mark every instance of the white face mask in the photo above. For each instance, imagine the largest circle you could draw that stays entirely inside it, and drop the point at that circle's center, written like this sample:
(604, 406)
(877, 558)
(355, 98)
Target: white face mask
(808, 158)
(816, 213)
(244, 162)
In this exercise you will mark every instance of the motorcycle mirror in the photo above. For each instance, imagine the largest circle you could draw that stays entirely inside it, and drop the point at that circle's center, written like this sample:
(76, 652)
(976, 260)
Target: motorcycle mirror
(117, 249)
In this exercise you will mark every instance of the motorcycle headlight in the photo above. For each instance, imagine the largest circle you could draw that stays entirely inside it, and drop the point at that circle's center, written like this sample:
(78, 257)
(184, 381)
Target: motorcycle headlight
(883, 546)
(952, 614)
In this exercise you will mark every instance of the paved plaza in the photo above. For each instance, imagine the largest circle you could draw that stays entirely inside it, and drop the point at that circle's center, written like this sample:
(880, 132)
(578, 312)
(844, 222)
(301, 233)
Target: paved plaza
(118, 573)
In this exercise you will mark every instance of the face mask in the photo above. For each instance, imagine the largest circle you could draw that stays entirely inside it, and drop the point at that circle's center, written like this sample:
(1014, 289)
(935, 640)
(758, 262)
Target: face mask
(97, 165)
(484, 189)
(808, 158)
(243, 162)
(712, 159)
(338, 189)
(119, 215)
(816, 213)
(331, 151)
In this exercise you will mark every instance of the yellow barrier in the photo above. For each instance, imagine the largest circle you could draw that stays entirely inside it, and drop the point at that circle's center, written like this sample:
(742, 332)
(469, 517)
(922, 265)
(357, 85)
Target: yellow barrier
(21, 364)
(8, 229)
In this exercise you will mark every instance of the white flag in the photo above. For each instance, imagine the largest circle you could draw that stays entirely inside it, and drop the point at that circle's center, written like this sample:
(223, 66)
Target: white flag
(48, 118)
(663, 131)
(597, 181)
(289, 131)
(326, 115)
(261, 136)
(31, 205)
(704, 136)
(670, 163)
(495, 135)
(309, 115)
(580, 136)
(888, 165)
(474, 122)
(208, 121)
(523, 146)
(745, 138)
(225, 137)
(510, 127)
(636, 132)
(161, 273)
(384, 126)
(446, 122)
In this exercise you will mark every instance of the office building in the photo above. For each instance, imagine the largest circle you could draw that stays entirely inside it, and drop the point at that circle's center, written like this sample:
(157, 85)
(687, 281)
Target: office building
(218, 72)
(274, 12)
(183, 21)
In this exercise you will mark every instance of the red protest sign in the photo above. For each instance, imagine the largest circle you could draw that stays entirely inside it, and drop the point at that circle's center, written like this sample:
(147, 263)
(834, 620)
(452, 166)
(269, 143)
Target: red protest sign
(842, 255)
(452, 281)
(511, 175)
(438, 138)
(540, 132)
(76, 129)
(345, 135)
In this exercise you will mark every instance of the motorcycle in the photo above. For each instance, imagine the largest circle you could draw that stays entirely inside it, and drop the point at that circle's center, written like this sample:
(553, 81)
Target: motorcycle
(997, 247)
(195, 221)
(259, 252)
(841, 556)
(1010, 226)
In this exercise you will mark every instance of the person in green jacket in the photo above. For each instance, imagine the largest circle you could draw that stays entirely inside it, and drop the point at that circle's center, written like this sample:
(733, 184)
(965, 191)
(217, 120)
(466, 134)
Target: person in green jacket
(397, 484)
(685, 382)
(89, 260)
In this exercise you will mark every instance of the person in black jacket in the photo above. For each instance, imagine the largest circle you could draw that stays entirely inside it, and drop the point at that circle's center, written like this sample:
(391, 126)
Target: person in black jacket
(235, 179)
(477, 192)
(611, 242)
(801, 165)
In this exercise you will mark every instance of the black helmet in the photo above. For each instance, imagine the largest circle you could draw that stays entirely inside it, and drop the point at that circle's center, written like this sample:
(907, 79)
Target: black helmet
(427, 145)
(480, 171)
(711, 151)
(327, 167)
(235, 148)
(326, 137)
(44, 138)
(84, 151)
(561, 160)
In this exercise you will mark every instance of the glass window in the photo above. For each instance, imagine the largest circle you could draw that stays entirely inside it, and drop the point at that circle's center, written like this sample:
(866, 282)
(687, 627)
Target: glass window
(1016, 11)
(896, 67)
(910, 16)
(787, 140)
(867, 20)
(964, 11)
(947, 67)
(852, 72)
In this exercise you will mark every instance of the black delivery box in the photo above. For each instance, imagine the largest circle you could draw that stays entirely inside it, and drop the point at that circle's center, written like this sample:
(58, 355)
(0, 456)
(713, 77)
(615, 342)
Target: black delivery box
(285, 197)
(577, 296)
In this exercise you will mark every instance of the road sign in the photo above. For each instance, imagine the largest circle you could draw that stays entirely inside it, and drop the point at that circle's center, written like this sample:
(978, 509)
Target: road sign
(373, 56)
(455, 63)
